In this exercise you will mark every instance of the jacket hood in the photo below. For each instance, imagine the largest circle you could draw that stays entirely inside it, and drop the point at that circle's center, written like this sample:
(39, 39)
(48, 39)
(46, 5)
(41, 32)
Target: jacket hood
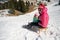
(41, 6)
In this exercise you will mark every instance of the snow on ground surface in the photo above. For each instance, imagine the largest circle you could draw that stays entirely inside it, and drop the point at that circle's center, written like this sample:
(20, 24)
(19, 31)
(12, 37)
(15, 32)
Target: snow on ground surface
(11, 27)
(4, 12)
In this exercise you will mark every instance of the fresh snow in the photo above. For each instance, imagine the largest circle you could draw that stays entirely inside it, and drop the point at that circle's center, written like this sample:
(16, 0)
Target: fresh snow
(4, 12)
(11, 27)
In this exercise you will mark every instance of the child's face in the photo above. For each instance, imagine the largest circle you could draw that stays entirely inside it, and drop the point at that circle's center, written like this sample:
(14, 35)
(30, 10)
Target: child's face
(39, 9)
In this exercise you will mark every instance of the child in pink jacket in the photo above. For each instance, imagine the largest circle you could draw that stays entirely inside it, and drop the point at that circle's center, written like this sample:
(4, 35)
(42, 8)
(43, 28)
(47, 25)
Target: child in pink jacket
(43, 17)
(40, 21)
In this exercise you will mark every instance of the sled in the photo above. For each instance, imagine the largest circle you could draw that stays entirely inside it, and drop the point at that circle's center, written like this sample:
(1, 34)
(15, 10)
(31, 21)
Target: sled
(35, 28)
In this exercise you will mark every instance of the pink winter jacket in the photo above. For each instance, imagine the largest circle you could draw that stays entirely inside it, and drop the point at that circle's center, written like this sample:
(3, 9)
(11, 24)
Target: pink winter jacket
(44, 18)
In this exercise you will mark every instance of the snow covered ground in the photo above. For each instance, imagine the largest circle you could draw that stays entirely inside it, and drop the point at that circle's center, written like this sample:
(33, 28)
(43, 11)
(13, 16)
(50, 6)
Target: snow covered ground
(11, 27)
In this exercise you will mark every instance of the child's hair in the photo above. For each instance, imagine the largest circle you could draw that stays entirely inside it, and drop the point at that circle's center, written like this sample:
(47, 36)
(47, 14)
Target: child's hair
(43, 2)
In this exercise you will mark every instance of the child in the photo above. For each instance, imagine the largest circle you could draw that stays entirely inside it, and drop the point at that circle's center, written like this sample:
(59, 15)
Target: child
(43, 17)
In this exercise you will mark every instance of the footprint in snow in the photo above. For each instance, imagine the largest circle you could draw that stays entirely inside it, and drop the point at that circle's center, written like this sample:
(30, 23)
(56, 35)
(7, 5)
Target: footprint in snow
(39, 38)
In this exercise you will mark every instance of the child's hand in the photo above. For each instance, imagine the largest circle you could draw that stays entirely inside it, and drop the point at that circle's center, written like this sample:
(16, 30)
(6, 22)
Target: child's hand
(36, 15)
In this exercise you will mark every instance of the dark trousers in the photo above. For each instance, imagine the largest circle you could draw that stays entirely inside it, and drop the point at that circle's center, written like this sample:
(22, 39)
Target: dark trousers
(34, 24)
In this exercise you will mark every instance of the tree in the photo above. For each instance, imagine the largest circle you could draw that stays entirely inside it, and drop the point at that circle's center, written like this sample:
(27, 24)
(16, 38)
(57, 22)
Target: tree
(31, 3)
(59, 2)
(19, 5)
(3, 6)
(22, 7)
(16, 5)
(39, 3)
(0, 6)
(48, 0)
(11, 6)
(6, 5)
(12, 2)
(27, 5)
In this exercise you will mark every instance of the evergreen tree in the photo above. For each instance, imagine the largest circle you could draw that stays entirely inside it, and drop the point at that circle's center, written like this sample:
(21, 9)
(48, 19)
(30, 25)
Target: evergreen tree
(6, 5)
(16, 5)
(48, 0)
(59, 2)
(11, 5)
(22, 7)
(39, 3)
(3, 6)
(31, 3)
(19, 5)
(0, 6)
(27, 5)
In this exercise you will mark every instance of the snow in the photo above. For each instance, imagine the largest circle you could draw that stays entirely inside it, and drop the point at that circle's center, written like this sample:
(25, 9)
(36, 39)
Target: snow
(4, 12)
(11, 27)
